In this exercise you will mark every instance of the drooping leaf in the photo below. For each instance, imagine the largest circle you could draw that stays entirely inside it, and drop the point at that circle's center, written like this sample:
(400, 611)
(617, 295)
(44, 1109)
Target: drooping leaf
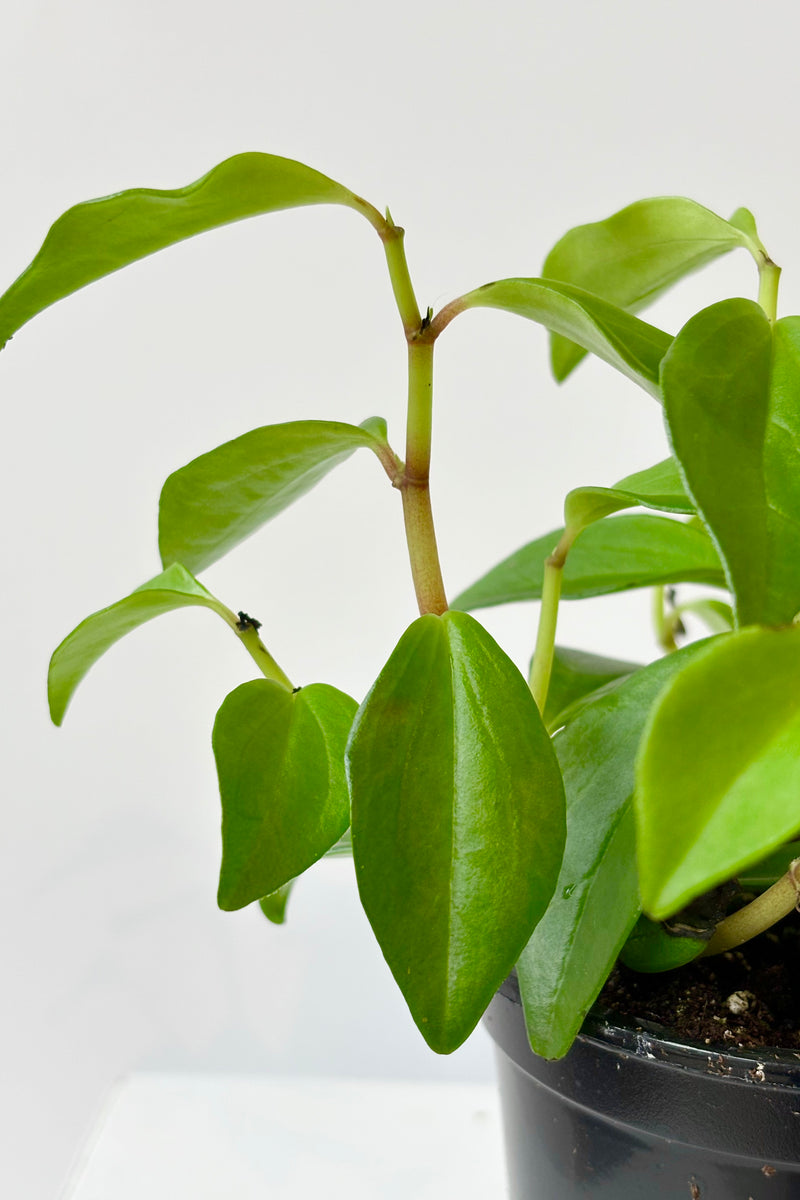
(577, 673)
(660, 487)
(609, 556)
(100, 236)
(732, 404)
(458, 819)
(718, 775)
(220, 498)
(635, 255)
(617, 337)
(596, 900)
(173, 588)
(280, 762)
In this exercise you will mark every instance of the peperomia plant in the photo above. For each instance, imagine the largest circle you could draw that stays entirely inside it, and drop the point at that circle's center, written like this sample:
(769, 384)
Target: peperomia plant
(554, 823)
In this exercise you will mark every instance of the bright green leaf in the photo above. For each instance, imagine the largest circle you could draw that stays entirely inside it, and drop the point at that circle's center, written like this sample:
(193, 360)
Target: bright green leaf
(660, 487)
(769, 869)
(173, 588)
(280, 762)
(93, 239)
(220, 498)
(718, 776)
(610, 556)
(732, 404)
(577, 674)
(622, 340)
(596, 901)
(458, 819)
(635, 255)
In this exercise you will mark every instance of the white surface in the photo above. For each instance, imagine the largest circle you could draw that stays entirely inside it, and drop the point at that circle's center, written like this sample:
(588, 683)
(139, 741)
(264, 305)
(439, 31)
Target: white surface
(184, 1137)
(489, 129)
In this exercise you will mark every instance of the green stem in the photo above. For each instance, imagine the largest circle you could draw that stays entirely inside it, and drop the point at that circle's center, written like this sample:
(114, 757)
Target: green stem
(542, 664)
(768, 277)
(772, 905)
(414, 486)
(664, 625)
(392, 238)
(246, 629)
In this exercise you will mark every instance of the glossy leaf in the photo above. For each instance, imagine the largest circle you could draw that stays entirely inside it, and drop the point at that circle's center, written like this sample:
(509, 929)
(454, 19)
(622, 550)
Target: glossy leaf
(732, 404)
(635, 255)
(577, 674)
(280, 762)
(173, 588)
(610, 556)
(458, 819)
(596, 901)
(659, 487)
(100, 236)
(617, 337)
(220, 498)
(718, 776)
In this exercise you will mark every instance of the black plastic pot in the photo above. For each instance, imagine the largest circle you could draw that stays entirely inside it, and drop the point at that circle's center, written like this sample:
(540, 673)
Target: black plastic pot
(629, 1114)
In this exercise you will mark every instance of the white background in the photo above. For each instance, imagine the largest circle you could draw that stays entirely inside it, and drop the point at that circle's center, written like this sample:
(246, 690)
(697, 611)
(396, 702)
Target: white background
(489, 129)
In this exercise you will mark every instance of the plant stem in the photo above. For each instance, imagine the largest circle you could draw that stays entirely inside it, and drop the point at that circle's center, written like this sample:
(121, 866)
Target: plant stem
(768, 276)
(414, 485)
(664, 626)
(392, 238)
(772, 905)
(413, 479)
(246, 629)
(542, 664)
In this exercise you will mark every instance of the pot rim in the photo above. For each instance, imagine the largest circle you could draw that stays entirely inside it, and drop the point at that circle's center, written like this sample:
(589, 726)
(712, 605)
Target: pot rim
(645, 1039)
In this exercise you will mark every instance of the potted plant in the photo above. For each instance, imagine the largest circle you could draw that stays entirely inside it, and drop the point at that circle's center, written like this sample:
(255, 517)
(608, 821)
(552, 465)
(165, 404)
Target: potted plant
(551, 826)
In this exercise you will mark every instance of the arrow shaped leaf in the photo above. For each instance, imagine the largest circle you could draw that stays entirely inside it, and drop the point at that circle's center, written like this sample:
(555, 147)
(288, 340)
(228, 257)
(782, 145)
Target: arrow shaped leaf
(718, 775)
(609, 556)
(100, 236)
(172, 589)
(220, 498)
(458, 820)
(635, 255)
(280, 762)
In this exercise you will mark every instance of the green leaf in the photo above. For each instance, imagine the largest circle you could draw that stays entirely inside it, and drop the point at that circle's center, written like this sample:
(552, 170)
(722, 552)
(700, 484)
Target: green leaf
(173, 588)
(596, 900)
(458, 820)
(718, 775)
(622, 340)
(650, 948)
(635, 255)
(273, 906)
(220, 498)
(100, 236)
(577, 674)
(732, 404)
(610, 556)
(280, 762)
(659, 487)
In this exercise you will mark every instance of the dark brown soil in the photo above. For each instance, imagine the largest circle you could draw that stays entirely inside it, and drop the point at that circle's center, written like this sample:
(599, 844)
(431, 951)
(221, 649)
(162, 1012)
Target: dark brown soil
(746, 998)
